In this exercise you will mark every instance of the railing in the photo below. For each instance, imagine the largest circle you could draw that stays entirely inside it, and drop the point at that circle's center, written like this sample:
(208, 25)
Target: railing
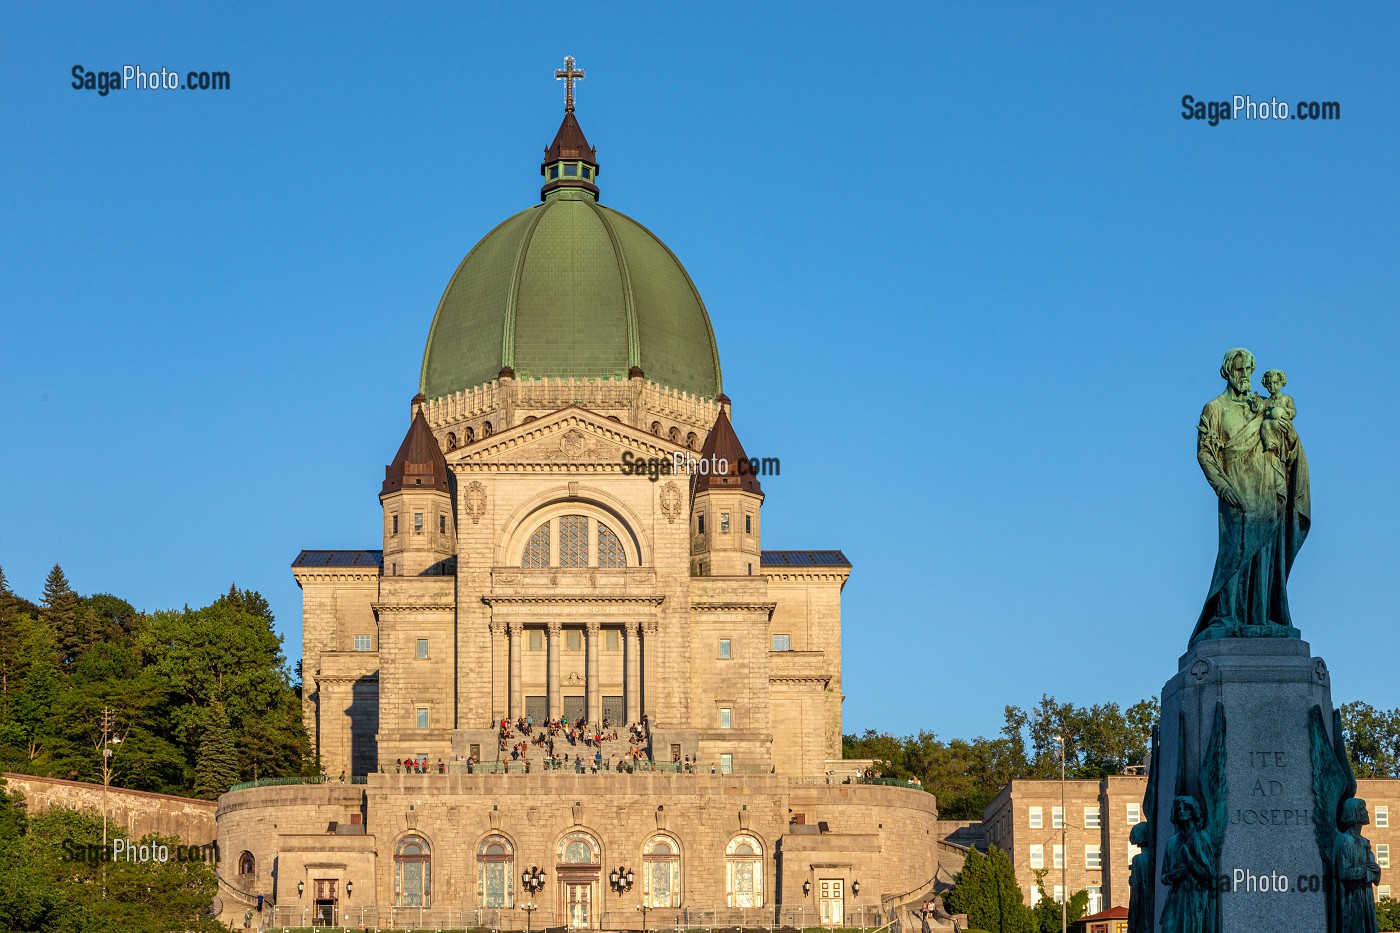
(274, 782)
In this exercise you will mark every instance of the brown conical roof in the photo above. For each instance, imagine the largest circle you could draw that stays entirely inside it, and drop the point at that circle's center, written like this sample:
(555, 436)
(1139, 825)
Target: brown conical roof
(722, 446)
(419, 464)
(570, 143)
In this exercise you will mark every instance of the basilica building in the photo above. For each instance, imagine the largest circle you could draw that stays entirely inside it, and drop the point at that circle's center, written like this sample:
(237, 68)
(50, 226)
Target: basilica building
(568, 686)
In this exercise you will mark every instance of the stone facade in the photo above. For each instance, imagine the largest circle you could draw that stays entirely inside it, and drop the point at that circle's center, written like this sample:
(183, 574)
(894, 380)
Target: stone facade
(130, 813)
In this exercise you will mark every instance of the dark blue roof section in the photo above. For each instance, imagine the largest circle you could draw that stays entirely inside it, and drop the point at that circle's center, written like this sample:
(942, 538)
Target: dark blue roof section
(339, 559)
(804, 559)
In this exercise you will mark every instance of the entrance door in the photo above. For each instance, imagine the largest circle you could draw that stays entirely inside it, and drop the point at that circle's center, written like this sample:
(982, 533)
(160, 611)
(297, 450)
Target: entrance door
(832, 901)
(613, 710)
(574, 709)
(579, 906)
(324, 903)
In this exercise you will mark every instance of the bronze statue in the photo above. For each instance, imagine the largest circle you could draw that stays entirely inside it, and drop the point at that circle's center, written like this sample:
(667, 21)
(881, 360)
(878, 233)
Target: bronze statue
(1253, 459)
(1190, 859)
(1350, 869)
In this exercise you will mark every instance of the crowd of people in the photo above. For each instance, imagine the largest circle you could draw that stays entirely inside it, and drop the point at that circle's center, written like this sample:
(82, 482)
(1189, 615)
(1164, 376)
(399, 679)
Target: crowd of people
(519, 739)
(418, 766)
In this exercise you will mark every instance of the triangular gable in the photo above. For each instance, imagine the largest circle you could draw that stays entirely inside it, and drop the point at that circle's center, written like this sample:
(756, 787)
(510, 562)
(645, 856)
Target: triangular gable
(572, 435)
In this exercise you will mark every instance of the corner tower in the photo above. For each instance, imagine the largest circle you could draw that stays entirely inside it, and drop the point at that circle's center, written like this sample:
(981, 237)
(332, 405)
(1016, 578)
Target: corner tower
(727, 502)
(419, 530)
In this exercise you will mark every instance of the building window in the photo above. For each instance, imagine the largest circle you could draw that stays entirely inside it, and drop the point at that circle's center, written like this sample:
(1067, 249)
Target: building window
(422, 717)
(412, 873)
(571, 170)
(417, 521)
(724, 523)
(442, 524)
(1059, 894)
(553, 172)
(1093, 858)
(1383, 854)
(726, 763)
(1383, 891)
(726, 717)
(422, 648)
(1095, 899)
(1134, 813)
(1037, 818)
(396, 523)
(782, 642)
(573, 541)
(495, 872)
(537, 548)
(1091, 817)
(587, 173)
(743, 869)
(612, 640)
(246, 864)
(661, 872)
(1382, 817)
(1037, 856)
(1058, 853)
(573, 638)
(579, 848)
(362, 642)
(1057, 817)
(692, 441)
(700, 523)
(724, 649)
(748, 524)
(610, 552)
(536, 640)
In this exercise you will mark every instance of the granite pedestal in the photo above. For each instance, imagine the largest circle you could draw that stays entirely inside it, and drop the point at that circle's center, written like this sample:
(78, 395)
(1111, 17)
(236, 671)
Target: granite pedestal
(1269, 869)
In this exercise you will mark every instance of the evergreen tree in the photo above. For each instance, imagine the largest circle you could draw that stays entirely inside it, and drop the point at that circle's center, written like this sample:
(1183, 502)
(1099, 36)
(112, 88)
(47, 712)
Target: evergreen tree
(1047, 910)
(60, 614)
(217, 768)
(987, 891)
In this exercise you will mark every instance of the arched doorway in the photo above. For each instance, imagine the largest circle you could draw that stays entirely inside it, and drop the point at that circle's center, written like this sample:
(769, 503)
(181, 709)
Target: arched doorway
(579, 866)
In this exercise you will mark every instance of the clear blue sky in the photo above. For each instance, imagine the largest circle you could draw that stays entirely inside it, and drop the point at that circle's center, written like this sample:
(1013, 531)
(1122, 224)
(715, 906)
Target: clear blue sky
(970, 271)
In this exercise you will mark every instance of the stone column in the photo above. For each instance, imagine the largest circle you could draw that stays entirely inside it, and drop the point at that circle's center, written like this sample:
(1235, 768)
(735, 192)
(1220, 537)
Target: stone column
(556, 697)
(500, 674)
(632, 680)
(650, 654)
(516, 689)
(595, 698)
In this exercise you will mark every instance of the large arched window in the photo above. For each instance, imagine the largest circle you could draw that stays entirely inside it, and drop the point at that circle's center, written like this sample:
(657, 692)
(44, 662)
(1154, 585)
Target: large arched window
(743, 866)
(579, 848)
(574, 541)
(412, 873)
(247, 865)
(661, 872)
(495, 872)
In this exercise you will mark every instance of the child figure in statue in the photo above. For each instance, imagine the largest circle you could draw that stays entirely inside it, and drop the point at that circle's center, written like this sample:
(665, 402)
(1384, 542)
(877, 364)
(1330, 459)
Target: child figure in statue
(1141, 885)
(1279, 412)
(1188, 868)
(1355, 867)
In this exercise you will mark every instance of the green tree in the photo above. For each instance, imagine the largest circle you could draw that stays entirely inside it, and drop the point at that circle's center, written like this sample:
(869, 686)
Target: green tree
(27, 723)
(987, 891)
(1388, 914)
(1047, 909)
(60, 613)
(1372, 739)
(217, 769)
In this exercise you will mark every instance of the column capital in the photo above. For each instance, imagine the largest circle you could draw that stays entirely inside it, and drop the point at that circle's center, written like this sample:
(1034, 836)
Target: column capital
(515, 628)
(555, 627)
(496, 626)
(594, 626)
(650, 626)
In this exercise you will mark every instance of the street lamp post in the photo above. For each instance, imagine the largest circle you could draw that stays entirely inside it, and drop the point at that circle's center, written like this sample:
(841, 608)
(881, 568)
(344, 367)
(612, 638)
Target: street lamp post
(529, 907)
(644, 908)
(1064, 844)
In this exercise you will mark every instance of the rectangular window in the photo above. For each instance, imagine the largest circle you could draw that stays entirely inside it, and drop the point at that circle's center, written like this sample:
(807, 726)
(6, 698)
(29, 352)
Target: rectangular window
(1037, 818)
(1382, 817)
(422, 717)
(700, 523)
(726, 763)
(1134, 814)
(724, 649)
(396, 523)
(782, 642)
(1383, 891)
(1057, 817)
(1059, 855)
(361, 642)
(1059, 894)
(442, 524)
(748, 524)
(1095, 892)
(1383, 854)
(574, 639)
(1037, 856)
(724, 523)
(1093, 858)
(571, 170)
(1091, 817)
(612, 640)
(536, 640)
(422, 648)
(726, 717)
(417, 521)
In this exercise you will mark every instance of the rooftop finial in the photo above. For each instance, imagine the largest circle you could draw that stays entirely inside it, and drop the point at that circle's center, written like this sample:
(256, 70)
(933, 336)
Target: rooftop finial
(568, 75)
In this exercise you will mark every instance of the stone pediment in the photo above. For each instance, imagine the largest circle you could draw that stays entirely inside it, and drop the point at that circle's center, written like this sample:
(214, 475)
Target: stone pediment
(569, 438)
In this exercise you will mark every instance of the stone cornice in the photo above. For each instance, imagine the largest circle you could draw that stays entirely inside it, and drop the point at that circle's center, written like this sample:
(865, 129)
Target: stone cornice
(358, 574)
(822, 679)
(345, 678)
(570, 598)
(733, 607)
(810, 576)
(413, 607)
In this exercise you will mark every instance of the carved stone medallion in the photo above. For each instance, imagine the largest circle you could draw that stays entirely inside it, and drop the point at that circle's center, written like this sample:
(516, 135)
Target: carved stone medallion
(476, 501)
(671, 502)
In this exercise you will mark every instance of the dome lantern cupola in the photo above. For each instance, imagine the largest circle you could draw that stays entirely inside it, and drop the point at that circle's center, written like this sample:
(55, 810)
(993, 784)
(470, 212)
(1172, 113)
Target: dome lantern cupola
(569, 162)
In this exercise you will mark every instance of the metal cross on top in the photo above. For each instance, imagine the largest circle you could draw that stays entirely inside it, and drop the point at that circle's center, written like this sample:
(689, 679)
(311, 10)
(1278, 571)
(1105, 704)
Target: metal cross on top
(568, 75)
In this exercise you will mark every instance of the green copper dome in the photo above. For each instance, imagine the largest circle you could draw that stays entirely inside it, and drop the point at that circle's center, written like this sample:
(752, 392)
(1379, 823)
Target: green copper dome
(570, 288)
